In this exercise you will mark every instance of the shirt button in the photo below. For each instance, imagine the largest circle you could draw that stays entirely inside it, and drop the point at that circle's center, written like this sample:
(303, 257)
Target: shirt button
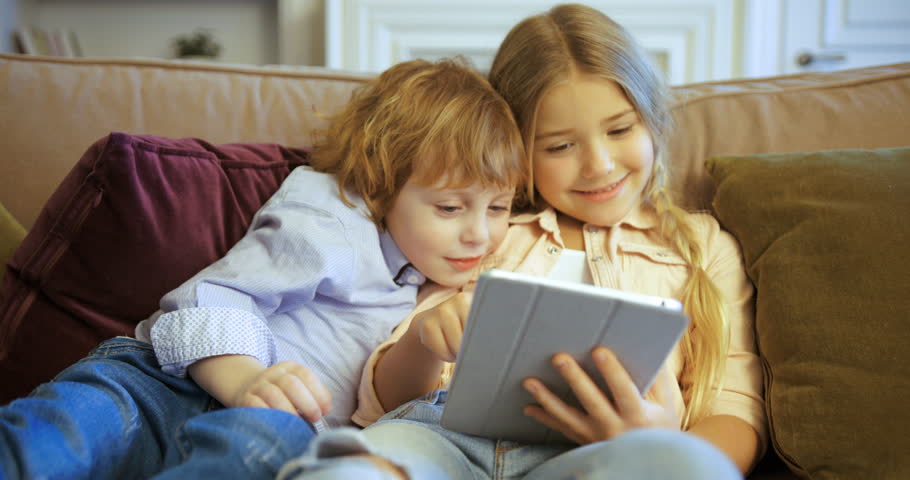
(412, 279)
(552, 250)
(597, 258)
(593, 229)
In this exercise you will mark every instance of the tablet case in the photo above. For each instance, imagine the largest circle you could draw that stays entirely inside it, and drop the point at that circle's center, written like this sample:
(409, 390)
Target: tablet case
(518, 322)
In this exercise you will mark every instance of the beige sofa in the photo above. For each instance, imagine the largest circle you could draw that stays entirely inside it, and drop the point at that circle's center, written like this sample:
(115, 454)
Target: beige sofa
(52, 110)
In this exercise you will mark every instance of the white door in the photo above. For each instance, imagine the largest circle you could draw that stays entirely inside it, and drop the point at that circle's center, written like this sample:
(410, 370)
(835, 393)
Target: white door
(791, 36)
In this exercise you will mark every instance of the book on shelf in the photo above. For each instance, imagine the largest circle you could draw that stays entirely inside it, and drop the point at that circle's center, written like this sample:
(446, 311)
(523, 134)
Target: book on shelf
(58, 42)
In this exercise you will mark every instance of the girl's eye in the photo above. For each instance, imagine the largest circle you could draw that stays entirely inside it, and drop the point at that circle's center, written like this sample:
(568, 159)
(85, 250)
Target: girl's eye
(619, 131)
(559, 148)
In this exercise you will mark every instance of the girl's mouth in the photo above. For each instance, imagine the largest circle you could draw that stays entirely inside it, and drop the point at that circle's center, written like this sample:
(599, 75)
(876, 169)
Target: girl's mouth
(606, 193)
(463, 264)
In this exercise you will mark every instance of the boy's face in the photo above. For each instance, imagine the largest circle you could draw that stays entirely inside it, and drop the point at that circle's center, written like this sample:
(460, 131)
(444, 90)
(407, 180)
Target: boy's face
(444, 232)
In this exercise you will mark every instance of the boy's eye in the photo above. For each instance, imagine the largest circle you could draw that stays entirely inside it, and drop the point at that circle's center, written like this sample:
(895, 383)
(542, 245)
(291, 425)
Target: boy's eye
(499, 208)
(448, 208)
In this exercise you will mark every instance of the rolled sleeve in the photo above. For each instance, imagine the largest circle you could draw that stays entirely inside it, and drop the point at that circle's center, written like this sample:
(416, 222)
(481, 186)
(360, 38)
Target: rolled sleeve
(187, 335)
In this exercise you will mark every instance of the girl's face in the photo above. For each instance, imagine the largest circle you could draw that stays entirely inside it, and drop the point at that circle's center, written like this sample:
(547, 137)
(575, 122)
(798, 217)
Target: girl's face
(444, 232)
(592, 153)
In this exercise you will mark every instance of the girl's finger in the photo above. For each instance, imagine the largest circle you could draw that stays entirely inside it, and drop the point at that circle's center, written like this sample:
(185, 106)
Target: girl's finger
(571, 418)
(589, 395)
(661, 388)
(539, 414)
(625, 394)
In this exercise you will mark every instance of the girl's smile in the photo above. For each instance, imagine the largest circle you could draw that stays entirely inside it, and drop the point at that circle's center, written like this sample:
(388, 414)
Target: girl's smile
(606, 193)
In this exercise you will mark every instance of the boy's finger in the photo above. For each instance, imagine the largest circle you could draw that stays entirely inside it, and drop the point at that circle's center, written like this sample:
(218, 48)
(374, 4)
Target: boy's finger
(435, 341)
(250, 400)
(275, 398)
(464, 307)
(301, 398)
(453, 332)
(314, 387)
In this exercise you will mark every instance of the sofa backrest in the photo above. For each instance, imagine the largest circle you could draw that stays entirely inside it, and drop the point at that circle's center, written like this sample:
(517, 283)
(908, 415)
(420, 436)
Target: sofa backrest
(864, 108)
(52, 110)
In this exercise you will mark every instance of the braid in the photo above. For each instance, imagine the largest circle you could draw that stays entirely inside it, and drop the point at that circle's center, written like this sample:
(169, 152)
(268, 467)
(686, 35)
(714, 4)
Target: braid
(704, 345)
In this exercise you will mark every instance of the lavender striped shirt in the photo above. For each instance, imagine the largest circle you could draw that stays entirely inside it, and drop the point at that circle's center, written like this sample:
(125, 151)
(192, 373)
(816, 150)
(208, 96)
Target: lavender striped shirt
(313, 281)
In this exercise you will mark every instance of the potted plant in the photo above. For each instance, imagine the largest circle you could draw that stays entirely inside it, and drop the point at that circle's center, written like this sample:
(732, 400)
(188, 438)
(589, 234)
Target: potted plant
(200, 43)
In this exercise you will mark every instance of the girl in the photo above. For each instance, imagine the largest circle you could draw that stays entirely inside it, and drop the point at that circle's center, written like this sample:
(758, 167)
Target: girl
(413, 181)
(594, 118)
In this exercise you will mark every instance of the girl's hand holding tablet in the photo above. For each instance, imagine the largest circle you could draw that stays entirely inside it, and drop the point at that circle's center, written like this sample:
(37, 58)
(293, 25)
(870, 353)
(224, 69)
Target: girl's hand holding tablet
(600, 417)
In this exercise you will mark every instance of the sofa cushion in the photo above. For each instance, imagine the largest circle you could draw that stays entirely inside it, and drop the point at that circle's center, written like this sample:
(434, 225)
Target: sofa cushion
(11, 235)
(825, 238)
(136, 217)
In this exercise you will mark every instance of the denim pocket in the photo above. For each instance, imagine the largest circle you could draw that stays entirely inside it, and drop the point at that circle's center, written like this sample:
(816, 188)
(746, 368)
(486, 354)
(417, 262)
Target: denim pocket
(436, 397)
(426, 409)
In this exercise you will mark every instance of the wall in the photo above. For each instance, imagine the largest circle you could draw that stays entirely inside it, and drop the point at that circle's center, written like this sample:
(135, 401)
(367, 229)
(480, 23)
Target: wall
(250, 31)
(8, 19)
(690, 40)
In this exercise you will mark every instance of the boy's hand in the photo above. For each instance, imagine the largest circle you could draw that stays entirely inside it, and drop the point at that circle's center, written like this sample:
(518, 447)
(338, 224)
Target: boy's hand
(441, 327)
(287, 386)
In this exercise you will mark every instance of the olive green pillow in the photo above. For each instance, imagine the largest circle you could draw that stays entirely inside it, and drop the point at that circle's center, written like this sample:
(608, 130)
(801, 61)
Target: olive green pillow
(11, 235)
(826, 241)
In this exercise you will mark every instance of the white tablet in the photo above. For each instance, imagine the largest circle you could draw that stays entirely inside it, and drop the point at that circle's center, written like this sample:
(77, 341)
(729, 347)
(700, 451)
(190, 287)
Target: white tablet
(518, 322)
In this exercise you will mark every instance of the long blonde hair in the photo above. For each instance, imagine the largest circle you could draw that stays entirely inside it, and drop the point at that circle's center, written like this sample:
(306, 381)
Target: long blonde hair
(540, 52)
(426, 120)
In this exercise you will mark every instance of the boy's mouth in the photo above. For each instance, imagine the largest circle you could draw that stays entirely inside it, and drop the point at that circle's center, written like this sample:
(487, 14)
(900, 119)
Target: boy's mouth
(464, 263)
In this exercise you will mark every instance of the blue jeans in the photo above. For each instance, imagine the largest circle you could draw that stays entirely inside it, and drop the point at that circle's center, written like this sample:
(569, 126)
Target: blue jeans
(115, 414)
(411, 437)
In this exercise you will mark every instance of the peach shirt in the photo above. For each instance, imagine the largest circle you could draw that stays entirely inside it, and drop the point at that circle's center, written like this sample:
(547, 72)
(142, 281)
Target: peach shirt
(628, 256)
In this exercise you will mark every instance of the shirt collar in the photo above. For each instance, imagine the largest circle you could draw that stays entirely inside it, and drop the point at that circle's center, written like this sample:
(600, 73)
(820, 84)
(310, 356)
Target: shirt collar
(401, 270)
(642, 217)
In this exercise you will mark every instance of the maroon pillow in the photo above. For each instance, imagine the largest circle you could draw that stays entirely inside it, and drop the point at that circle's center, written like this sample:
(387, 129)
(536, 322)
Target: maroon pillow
(136, 217)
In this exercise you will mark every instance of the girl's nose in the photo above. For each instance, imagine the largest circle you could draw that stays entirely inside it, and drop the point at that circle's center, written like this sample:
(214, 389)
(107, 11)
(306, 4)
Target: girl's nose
(597, 161)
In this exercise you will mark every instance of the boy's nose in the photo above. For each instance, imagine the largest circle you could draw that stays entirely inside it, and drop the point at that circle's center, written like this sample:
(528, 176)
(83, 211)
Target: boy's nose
(477, 231)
